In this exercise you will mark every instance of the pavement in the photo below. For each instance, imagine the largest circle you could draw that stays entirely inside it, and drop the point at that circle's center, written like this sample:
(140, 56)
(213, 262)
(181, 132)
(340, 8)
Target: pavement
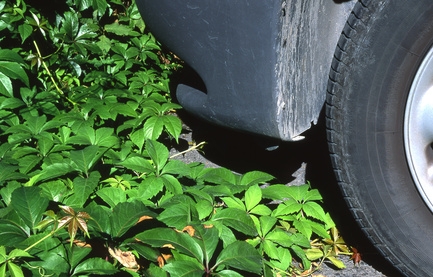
(291, 162)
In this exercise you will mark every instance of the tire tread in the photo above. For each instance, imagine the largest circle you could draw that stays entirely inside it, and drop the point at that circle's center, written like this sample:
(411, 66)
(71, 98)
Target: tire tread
(356, 23)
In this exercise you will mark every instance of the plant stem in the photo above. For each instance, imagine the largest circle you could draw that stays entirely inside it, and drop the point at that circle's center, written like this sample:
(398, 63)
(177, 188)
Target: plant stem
(39, 241)
(189, 149)
(59, 90)
(46, 68)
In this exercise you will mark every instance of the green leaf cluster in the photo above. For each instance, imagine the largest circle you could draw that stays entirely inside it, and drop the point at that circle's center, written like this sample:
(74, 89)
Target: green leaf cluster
(87, 184)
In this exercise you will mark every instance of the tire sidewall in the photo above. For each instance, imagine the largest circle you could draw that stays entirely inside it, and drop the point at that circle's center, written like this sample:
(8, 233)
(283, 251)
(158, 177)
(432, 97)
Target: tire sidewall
(379, 74)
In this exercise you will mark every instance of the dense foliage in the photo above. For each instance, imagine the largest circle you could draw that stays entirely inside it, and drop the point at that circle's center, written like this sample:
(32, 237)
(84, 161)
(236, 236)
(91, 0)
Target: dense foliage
(87, 186)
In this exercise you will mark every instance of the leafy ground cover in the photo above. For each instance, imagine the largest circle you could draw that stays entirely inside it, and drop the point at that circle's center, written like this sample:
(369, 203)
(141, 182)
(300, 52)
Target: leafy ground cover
(87, 185)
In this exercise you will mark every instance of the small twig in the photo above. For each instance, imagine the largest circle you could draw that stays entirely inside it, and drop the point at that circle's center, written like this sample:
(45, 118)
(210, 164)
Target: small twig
(194, 147)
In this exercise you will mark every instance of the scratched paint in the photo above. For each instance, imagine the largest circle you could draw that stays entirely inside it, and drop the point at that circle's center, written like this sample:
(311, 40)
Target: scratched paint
(305, 53)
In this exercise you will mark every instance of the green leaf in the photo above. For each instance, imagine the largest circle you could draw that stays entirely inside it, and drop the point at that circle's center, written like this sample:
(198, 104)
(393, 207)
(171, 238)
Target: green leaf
(313, 195)
(29, 204)
(138, 164)
(184, 268)
(267, 223)
(11, 234)
(83, 188)
(138, 139)
(233, 202)
(319, 229)
(6, 191)
(102, 137)
(94, 266)
(298, 193)
(112, 196)
(177, 215)
(237, 219)
(283, 260)
(242, 256)
(146, 251)
(280, 237)
(335, 261)
(271, 249)
(253, 196)
(6, 85)
(158, 152)
(10, 55)
(176, 167)
(156, 271)
(314, 254)
(255, 178)
(25, 31)
(100, 6)
(301, 254)
(77, 254)
(10, 103)
(3, 256)
(228, 273)
(50, 172)
(315, 211)
(219, 176)
(17, 253)
(159, 237)
(261, 210)
(288, 208)
(118, 29)
(101, 216)
(45, 144)
(276, 192)
(15, 270)
(208, 239)
(125, 215)
(204, 209)
(55, 190)
(70, 25)
(172, 184)
(173, 125)
(14, 71)
(303, 227)
(28, 163)
(149, 188)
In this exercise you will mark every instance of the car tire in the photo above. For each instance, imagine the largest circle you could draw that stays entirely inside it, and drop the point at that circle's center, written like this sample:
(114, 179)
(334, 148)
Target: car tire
(379, 117)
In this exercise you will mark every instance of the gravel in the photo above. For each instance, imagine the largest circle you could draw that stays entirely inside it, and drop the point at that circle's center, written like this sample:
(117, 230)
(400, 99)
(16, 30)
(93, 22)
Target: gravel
(292, 162)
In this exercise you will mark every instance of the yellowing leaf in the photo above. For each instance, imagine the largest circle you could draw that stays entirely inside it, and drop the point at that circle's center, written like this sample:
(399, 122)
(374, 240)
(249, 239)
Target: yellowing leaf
(168, 245)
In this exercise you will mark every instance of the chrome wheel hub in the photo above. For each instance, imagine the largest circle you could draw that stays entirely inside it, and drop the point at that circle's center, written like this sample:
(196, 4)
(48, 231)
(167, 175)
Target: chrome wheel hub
(418, 129)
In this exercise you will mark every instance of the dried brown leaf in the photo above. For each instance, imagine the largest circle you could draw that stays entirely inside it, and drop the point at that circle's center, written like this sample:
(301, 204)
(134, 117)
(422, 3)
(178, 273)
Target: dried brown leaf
(190, 230)
(356, 256)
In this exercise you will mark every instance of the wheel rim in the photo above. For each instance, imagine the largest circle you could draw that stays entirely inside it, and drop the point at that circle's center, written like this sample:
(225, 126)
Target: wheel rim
(418, 129)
